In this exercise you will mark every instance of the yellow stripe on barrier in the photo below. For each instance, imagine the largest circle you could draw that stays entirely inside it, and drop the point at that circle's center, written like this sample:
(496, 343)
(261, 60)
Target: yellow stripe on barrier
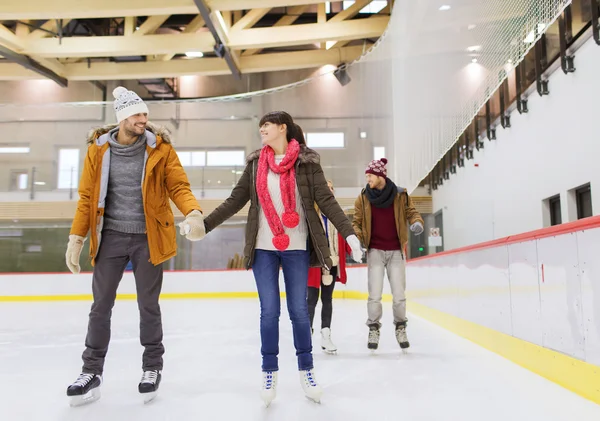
(163, 296)
(348, 295)
(572, 374)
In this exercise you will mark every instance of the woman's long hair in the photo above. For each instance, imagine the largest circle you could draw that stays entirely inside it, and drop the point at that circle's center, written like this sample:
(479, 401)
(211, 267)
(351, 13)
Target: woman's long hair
(294, 131)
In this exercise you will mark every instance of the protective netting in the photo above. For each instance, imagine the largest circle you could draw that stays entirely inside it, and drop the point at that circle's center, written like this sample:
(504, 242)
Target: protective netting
(447, 64)
(412, 94)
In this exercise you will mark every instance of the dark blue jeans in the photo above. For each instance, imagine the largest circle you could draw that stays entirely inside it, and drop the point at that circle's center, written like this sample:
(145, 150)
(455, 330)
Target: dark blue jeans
(295, 265)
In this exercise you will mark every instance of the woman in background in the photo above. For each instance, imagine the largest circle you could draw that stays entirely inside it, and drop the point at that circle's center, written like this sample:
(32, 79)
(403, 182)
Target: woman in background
(323, 280)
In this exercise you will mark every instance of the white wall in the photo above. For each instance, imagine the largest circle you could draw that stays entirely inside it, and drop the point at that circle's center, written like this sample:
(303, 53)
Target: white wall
(551, 150)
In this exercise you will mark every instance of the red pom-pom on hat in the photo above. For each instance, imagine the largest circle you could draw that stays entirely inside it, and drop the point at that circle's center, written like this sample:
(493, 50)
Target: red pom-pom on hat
(384, 160)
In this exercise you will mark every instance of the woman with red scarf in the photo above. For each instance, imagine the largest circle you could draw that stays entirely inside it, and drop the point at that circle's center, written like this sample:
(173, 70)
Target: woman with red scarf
(283, 181)
(323, 280)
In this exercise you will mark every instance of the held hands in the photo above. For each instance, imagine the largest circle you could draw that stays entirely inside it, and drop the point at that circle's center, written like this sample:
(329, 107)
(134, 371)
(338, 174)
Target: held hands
(354, 244)
(193, 226)
(73, 252)
(417, 228)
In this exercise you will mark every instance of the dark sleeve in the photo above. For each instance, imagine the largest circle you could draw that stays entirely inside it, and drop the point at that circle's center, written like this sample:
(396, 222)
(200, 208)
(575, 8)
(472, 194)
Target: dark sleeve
(240, 195)
(328, 204)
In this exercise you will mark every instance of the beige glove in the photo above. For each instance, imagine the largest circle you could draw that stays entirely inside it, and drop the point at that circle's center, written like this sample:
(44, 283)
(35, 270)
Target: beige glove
(326, 277)
(335, 260)
(73, 252)
(193, 226)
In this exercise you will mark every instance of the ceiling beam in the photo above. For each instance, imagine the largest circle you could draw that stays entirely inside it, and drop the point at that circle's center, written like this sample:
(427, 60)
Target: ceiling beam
(151, 25)
(184, 67)
(81, 9)
(29, 64)
(250, 19)
(118, 46)
(191, 28)
(293, 13)
(218, 29)
(350, 12)
(9, 40)
(385, 11)
(307, 34)
(47, 29)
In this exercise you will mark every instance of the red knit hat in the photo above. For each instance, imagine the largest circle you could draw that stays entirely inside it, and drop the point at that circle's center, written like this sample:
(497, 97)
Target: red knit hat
(377, 167)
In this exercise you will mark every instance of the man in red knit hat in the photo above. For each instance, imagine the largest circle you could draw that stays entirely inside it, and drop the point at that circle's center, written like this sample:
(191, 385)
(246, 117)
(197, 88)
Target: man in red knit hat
(383, 214)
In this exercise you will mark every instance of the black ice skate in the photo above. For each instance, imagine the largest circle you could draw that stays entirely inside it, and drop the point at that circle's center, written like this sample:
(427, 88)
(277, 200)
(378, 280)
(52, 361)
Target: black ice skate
(401, 336)
(148, 386)
(373, 337)
(86, 389)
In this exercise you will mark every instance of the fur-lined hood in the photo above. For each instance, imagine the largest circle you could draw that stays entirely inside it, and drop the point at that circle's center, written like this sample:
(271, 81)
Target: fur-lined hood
(153, 132)
(306, 156)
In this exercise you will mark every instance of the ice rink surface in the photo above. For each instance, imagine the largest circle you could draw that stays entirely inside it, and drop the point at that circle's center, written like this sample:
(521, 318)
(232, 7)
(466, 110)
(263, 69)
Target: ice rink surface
(212, 370)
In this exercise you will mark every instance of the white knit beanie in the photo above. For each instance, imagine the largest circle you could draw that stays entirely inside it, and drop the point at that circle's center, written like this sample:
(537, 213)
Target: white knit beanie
(127, 103)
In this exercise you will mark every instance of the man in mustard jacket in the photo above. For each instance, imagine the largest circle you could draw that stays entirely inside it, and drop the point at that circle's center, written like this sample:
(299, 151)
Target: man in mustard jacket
(130, 173)
(382, 213)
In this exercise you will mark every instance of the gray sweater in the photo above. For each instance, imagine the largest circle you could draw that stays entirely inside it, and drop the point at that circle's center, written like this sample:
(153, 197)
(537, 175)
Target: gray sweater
(124, 211)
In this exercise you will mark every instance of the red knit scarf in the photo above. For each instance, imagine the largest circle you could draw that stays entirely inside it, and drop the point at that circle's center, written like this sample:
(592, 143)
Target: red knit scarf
(287, 184)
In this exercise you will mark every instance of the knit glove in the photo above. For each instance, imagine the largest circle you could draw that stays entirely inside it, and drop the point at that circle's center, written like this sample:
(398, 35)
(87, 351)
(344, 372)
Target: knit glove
(354, 244)
(417, 228)
(73, 252)
(335, 261)
(193, 226)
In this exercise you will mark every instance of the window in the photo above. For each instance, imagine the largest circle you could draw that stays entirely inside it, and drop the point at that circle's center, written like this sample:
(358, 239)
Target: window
(68, 168)
(583, 196)
(226, 158)
(373, 7)
(325, 140)
(554, 208)
(14, 149)
(378, 152)
(192, 158)
(19, 180)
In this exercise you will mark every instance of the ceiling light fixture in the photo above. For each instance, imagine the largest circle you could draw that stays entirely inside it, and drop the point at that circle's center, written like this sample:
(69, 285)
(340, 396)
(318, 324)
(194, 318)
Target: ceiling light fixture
(444, 7)
(474, 60)
(473, 48)
(194, 54)
(471, 27)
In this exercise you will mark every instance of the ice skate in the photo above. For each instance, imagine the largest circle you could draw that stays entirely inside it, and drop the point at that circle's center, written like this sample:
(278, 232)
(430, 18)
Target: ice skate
(148, 386)
(312, 390)
(86, 389)
(326, 344)
(401, 336)
(269, 388)
(373, 343)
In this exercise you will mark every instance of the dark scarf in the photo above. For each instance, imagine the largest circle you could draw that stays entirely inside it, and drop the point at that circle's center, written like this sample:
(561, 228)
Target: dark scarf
(382, 198)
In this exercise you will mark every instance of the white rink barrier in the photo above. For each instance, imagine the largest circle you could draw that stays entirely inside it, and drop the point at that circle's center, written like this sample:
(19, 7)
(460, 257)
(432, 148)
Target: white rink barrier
(177, 284)
(542, 287)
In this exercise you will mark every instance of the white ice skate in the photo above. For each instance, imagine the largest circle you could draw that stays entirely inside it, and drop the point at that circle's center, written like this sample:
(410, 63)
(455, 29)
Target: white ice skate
(374, 333)
(86, 389)
(269, 388)
(401, 337)
(326, 344)
(149, 383)
(312, 390)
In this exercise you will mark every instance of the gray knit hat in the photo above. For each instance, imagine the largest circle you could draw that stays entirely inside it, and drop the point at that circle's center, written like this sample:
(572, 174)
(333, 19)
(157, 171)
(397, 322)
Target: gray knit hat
(127, 103)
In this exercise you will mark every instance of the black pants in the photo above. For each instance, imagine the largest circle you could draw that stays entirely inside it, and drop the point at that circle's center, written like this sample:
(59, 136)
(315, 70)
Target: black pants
(326, 301)
(116, 250)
